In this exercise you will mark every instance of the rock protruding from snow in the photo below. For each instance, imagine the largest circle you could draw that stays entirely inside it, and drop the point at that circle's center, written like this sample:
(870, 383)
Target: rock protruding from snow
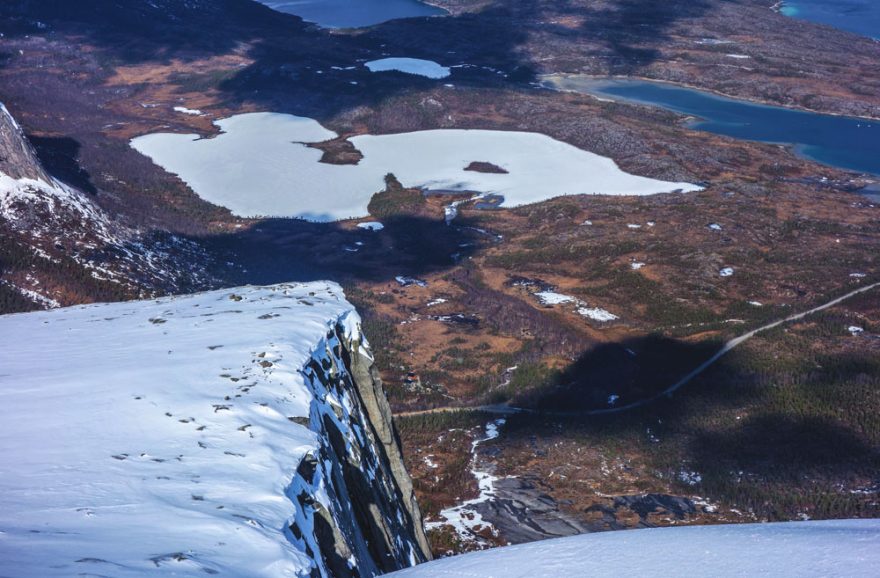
(29, 197)
(17, 157)
(239, 433)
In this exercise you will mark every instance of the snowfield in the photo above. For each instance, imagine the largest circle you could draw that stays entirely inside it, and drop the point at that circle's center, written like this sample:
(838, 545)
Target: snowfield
(260, 166)
(846, 548)
(163, 437)
(417, 66)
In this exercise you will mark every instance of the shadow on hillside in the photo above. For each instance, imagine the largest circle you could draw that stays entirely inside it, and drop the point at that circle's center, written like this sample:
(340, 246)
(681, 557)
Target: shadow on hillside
(296, 67)
(770, 444)
(618, 374)
(299, 68)
(135, 32)
(726, 424)
(280, 250)
(634, 29)
(59, 156)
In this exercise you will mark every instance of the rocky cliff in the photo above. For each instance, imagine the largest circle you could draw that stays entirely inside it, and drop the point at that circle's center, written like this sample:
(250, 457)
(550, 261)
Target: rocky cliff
(372, 516)
(17, 157)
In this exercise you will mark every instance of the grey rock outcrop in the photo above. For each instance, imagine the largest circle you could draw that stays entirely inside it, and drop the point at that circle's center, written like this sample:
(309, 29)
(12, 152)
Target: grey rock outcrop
(17, 157)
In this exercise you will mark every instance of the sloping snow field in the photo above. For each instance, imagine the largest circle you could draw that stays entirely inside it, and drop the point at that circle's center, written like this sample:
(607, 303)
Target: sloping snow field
(157, 437)
(845, 548)
(260, 166)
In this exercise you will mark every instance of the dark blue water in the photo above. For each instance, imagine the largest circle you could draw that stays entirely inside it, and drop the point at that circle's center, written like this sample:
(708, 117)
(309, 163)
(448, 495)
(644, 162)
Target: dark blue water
(839, 141)
(352, 13)
(859, 16)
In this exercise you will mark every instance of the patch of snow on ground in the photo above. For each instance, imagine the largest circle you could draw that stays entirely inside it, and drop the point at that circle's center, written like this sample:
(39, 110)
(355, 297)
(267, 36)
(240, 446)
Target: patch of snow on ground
(417, 66)
(466, 521)
(371, 226)
(715, 226)
(260, 166)
(756, 304)
(152, 438)
(190, 111)
(636, 265)
(550, 298)
(848, 548)
(855, 330)
(434, 302)
(690, 478)
(726, 272)
(38, 298)
(404, 281)
(596, 314)
(553, 298)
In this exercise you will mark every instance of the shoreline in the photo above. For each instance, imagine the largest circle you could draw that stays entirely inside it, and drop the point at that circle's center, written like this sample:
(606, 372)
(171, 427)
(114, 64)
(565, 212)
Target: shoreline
(713, 91)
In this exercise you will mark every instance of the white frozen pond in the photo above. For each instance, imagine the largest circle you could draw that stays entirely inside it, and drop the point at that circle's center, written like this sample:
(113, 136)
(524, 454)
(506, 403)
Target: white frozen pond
(352, 13)
(259, 167)
(416, 66)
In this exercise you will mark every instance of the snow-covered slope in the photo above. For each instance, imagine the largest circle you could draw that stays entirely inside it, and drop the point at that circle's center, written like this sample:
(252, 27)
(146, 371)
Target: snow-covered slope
(830, 548)
(233, 432)
(59, 247)
(30, 198)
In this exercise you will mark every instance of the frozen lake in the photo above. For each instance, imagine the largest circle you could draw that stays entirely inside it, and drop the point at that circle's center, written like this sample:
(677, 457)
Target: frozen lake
(260, 166)
(352, 13)
(417, 66)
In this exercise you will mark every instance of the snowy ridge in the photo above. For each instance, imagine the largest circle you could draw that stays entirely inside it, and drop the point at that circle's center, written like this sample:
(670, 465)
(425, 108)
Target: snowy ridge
(191, 436)
(830, 548)
(29, 203)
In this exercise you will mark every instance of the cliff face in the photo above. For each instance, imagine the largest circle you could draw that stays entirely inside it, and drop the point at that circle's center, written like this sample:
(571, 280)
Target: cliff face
(239, 433)
(371, 523)
(17, 157)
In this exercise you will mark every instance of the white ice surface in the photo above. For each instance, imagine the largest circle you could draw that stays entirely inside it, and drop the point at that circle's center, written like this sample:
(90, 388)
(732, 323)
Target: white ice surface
(153, 438)
(848, 548)
(260, 166)
(416, 66)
